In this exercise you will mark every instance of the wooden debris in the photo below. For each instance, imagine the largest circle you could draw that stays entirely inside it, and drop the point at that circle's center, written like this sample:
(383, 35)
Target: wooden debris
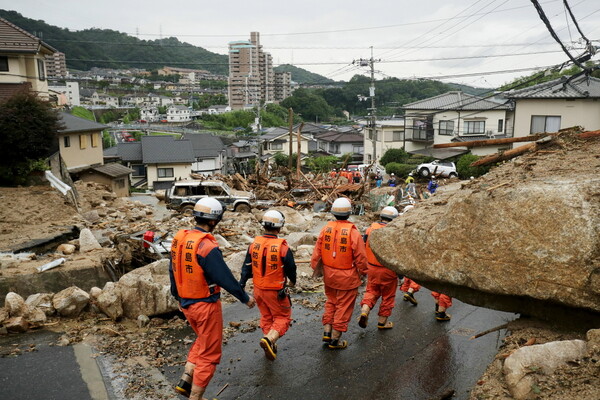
(480, 334)
(489, 142)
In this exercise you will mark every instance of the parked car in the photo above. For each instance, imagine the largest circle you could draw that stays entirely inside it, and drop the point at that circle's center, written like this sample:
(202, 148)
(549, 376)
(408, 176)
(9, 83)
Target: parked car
(438, 168)
(183, 195)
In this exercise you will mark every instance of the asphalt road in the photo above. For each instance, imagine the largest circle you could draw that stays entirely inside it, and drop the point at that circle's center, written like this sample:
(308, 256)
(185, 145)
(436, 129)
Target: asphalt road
(419, 358)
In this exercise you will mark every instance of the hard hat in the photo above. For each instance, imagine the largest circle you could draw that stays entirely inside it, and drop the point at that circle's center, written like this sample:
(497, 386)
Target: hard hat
(408, 208)
(410, 174)
(341, 207)
(388, 213)
(273, 219)
(208, 208)
(392, 174)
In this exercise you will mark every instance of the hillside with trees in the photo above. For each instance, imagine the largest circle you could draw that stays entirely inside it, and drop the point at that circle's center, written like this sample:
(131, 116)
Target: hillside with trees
(300, 75)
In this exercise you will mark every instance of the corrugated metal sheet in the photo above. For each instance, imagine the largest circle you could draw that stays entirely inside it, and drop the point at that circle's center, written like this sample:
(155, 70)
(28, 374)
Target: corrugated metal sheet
(456, 101)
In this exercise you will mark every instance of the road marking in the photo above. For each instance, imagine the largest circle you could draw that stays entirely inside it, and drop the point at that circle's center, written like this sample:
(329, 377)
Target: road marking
(90, 372)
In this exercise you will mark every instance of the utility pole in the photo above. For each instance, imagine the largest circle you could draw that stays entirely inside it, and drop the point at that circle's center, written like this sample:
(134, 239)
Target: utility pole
(291, 120)
(373, 119)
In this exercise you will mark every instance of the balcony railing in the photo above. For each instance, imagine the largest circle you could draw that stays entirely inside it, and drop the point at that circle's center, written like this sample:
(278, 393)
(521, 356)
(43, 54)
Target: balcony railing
(416, 134)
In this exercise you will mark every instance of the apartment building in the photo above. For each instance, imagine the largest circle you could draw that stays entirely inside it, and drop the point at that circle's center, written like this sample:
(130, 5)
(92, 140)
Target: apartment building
(56, 65)
(283, 85)
(251, 76)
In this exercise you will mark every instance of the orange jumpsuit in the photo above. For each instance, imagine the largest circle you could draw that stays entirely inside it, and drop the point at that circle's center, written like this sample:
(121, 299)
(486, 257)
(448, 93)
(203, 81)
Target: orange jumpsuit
(409, 284)
(382, 282)
(341, 249)
(269, 272)
(442, 299)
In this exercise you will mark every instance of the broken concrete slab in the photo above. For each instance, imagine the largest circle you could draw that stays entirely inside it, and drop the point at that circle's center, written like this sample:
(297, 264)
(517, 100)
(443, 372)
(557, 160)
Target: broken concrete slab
(87, 241)
(71, 301)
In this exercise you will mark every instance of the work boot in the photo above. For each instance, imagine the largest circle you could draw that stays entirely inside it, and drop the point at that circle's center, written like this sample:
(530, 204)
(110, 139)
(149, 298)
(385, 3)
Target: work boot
(337, 344)
(269, 348)
(184, 387)
(326, 336)
(363, 319)
(442, 316)
(408, 296)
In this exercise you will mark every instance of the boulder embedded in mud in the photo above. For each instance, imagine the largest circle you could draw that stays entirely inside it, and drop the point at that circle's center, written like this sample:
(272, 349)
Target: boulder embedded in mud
(16, 325)
(71, 301)
(235, 262)
(3, 315)
(593, 342)
(146, 291)
(35, 316)
(509, 248)
(42, 301)
(223, 243)
(87, 241)
(304, 252)
(292, 217)
(109, 301)
(95, 292)
(66, 248)
(547, 357)
(15, 305)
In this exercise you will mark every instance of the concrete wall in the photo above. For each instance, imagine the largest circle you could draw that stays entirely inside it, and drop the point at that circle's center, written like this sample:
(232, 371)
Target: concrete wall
(75, 156)
(24, 68)
(180, 171)
(583, 112)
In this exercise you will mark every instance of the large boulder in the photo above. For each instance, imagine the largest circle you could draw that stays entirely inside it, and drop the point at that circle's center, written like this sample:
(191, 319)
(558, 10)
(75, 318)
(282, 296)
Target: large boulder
(146, 291)
(42, 301)
(547, 357)
(87, 241)
(109, 301)
(235, 261)
(71, 301)
(523, 248)
(296, 239)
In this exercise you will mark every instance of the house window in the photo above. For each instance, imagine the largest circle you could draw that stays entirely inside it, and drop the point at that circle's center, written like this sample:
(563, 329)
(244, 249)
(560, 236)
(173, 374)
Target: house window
(94, 140)
(41, 70)
(82, 142)
(120, 183)
(474, 127)
(276, 146)
(397, 136)
(3, 63)
(544, 123)
(139, 169)
(358, 149)
(446, 128)
(67, 141)
(334, 148)
(500, 125)
(165, 172)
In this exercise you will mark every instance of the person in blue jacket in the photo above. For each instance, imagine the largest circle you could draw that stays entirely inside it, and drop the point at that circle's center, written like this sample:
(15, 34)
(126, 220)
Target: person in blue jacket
(432, 185)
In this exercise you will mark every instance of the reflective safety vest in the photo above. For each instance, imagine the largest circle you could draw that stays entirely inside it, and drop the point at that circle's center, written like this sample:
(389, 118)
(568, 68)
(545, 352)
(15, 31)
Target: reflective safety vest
(267, 264)
(189, 275)
(371, 259)
(336, 248)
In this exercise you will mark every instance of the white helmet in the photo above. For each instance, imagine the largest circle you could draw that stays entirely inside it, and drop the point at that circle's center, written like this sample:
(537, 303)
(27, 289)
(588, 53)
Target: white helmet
(392, 174)
(208, 208)
(407, 208)
(273, 219)
(341, 207)
(388, 213)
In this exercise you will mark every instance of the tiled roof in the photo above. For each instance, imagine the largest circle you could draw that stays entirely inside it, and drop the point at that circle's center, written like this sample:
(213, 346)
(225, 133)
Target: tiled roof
(16, 40)
(165, 149)
(340, 137)
(130, 151)
(578, 88)
(205, 145)
(114, 170)
(455, 101)
(76, 124)
(7, 90)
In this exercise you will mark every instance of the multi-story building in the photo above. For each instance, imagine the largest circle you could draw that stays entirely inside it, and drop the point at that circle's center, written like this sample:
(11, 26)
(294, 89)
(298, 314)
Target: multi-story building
(251, 76)
(71, 92)
(283, 85)
(56, 65)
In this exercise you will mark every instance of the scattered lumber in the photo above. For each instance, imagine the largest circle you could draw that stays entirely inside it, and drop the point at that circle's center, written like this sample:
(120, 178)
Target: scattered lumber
(489, 142)
(497, 328)
(507, 155)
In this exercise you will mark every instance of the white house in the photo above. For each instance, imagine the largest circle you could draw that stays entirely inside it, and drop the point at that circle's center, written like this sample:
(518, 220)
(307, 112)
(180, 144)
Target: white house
(218, 109)
(557, 104)
(149, 114)
(178, 114)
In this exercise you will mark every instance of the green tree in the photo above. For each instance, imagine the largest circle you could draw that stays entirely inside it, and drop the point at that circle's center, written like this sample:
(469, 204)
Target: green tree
(399, 169)
(464, 169)
(395, 156)
(28, 132)
(309, 105)
(281, 159)
(322, 164)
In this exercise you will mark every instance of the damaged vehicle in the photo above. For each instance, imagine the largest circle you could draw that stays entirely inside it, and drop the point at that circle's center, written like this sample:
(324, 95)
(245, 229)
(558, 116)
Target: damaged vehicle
(183, 195)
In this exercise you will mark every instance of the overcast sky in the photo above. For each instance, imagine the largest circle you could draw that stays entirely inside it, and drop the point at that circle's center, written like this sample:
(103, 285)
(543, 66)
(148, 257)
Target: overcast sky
(413, 39)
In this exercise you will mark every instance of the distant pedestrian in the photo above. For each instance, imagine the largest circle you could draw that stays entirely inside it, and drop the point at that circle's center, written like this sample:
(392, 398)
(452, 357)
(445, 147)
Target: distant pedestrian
(340, 253)
(270, 263)
(392, 180)
(378, 179)
(432, 185)
(382, 282)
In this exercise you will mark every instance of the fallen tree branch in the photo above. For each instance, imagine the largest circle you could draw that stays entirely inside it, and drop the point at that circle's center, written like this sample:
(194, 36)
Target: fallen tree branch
(480, 334)
(489, 142)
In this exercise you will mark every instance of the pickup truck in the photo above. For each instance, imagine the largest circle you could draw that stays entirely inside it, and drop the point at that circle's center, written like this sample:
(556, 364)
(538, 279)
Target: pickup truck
(438, 168)
(183, 195)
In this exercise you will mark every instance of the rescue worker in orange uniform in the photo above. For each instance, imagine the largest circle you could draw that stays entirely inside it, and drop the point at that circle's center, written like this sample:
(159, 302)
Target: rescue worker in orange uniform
(340, 252)
(270, 263)
(442, 303)
(333, 174)
(381, 282)
(197, 272)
